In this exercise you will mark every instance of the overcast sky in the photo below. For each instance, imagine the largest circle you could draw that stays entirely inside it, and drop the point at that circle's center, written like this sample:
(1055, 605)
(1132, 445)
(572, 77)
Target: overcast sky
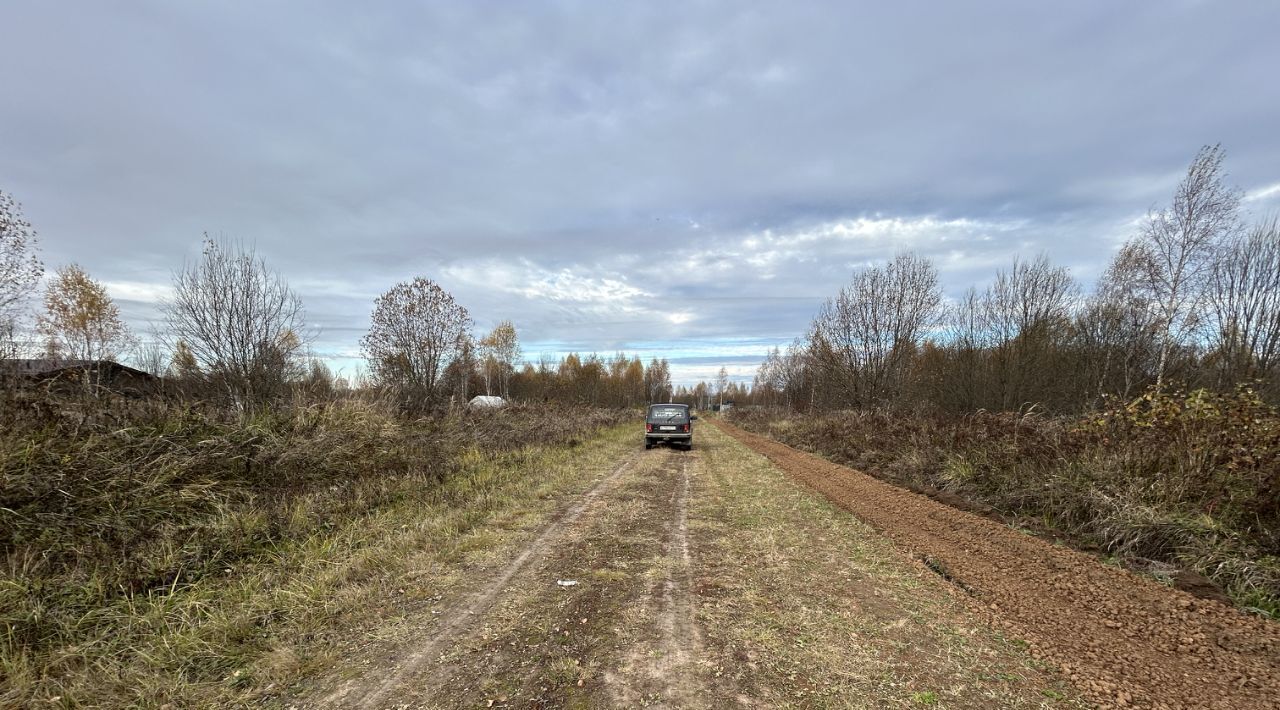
(685, 179)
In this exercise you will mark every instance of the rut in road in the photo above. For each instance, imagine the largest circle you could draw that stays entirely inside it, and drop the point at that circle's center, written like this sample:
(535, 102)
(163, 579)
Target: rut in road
(674, 670)
(680, 638)
(462, 614)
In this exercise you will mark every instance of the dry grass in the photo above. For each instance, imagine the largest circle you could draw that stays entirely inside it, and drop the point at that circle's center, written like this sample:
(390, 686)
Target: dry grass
(808, 607)
(538, 644)
(1179, 480)
(156, 553)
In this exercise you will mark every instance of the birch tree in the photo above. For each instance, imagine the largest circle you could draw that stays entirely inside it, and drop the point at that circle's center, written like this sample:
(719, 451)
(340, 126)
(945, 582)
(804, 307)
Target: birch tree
(657, 380)
(1175, 251)
(20, 271)
(499, 351)
(80, 321)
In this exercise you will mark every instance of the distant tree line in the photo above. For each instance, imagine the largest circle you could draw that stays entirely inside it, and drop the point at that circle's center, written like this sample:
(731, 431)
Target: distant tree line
(617, 381)
(1193, 297)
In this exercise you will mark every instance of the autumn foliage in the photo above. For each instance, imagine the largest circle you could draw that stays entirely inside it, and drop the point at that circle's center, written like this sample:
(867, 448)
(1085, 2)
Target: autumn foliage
(80, 320)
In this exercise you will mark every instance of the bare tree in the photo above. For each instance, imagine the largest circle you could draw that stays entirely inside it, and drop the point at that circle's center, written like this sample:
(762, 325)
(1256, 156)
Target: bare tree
(782, 376)
(1120, 327)
(1028, 297)
(80, 321)
(1024, 314)
(151, 356)
(241, 323)
(499, 351)
(769, 385)
(1174, 253)
(1245, 298)
(866, 334)
(657, 380)
(417, 331)
(20, 271)
(960, 385)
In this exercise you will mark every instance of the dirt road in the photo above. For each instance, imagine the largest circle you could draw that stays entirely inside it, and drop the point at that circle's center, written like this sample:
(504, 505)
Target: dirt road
(715, 579)
(703, 579)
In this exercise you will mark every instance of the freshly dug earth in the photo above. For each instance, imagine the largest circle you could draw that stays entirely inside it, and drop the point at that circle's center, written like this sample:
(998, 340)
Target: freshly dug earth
(1122, 640)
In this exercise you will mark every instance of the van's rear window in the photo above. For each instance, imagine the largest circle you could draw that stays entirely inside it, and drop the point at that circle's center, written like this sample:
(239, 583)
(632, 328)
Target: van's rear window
(665, 412)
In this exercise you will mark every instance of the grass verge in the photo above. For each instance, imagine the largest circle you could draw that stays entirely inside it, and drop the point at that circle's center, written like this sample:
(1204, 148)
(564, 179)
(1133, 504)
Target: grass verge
(805, 606)
(151, 564)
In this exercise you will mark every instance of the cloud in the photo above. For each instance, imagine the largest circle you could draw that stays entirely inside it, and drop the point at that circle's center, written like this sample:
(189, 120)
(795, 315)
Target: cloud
(612, 175)
(814, 260)
(137, 291)
(565, 285)
(582, 290)
(1268, 193)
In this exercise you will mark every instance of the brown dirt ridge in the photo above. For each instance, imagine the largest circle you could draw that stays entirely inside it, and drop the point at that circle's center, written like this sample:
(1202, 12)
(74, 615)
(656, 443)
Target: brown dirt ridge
(1122, 640)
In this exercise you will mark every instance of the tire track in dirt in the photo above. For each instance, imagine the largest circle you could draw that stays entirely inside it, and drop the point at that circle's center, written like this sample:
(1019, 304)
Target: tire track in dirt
(660, 668)
(680, 639)
(458, 618)
(1121, 639)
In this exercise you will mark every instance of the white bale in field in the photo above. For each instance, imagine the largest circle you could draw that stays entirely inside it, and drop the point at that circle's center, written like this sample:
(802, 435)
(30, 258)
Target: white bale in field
(487, 402)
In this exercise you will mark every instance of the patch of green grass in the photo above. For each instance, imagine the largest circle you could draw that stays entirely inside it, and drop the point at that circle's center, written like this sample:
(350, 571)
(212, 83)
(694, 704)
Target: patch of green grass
(925, 698)
(1261, 602)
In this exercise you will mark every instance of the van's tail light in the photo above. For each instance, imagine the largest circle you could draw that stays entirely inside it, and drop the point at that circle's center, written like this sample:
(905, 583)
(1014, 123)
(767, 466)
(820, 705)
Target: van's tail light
(648, 428)
(686, 427)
